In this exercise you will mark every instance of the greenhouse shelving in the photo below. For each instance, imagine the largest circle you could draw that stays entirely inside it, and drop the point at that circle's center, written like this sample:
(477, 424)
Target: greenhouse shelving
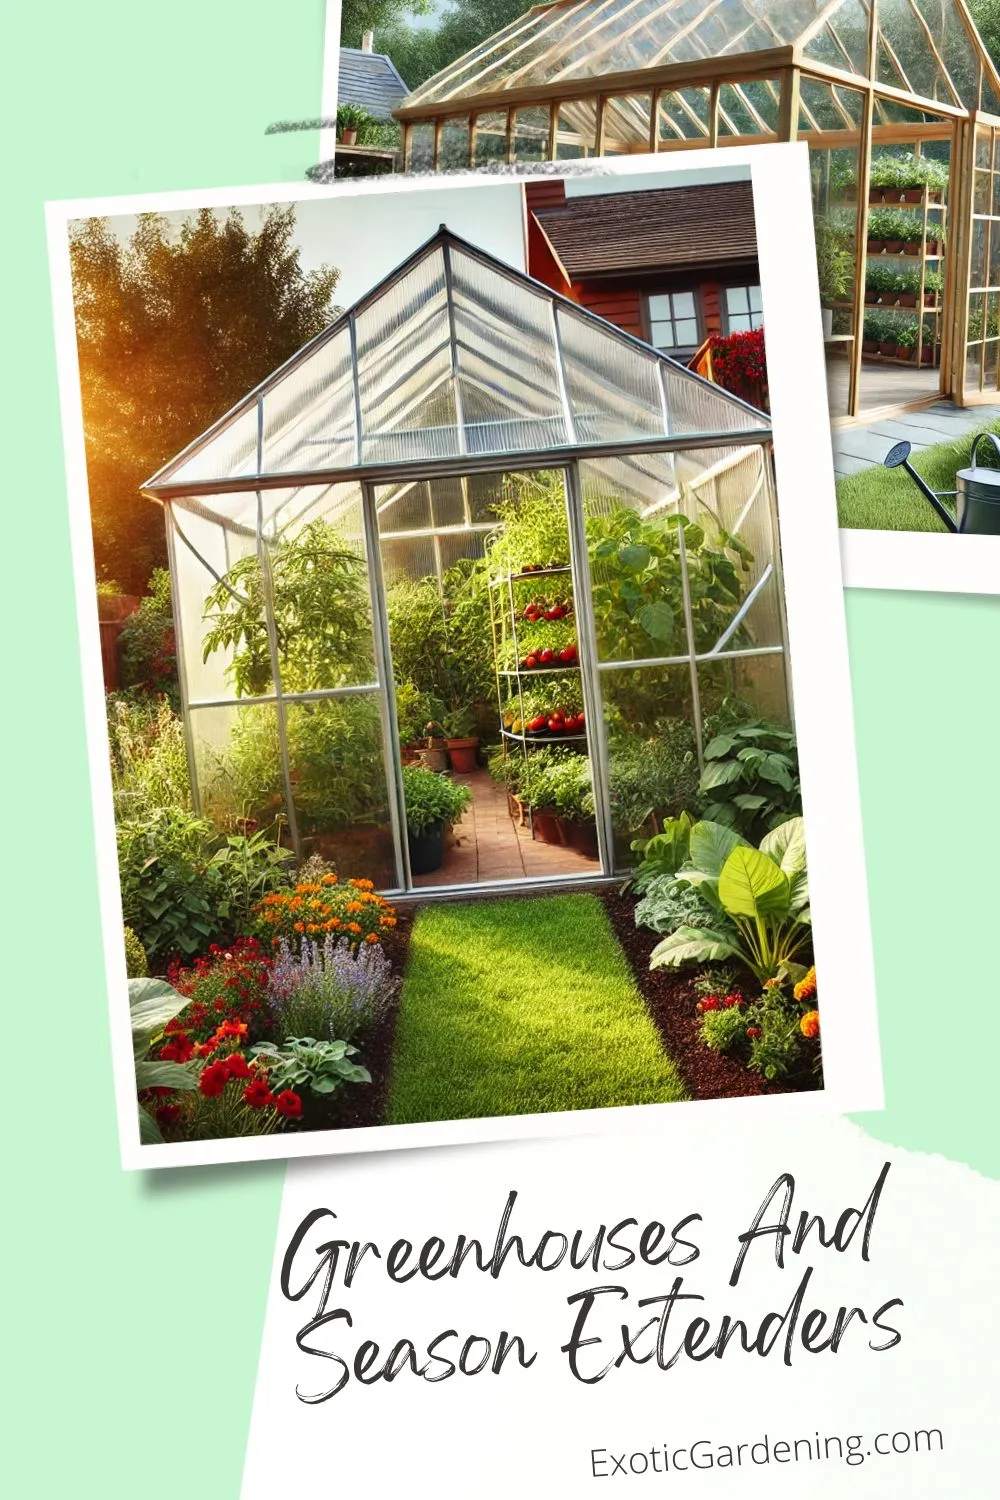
(931, 202)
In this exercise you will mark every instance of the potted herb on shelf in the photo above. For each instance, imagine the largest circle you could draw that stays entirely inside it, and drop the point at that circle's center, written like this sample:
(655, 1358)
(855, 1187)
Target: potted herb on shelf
(461, 740)
(906, 341)
(433, 802)
(350, 119)
(835, 266)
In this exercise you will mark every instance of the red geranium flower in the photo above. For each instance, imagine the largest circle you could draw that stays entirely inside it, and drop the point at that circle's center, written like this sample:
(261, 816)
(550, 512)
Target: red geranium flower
(168, 1114)
(237, 1065)
(179, 1049)
(753, 1032)
(289, 1104)
(214, 1079)
(257, 1094)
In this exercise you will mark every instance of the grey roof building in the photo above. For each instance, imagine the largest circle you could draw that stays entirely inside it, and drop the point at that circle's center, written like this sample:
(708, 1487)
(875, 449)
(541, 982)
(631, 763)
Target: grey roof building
(369, 79)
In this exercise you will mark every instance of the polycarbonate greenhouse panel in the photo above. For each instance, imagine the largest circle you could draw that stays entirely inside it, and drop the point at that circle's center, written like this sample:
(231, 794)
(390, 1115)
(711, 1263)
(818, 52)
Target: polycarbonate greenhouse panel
(453, 355)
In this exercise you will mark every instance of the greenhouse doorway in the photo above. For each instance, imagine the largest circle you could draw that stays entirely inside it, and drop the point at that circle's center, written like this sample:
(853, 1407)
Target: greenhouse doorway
(488, 658)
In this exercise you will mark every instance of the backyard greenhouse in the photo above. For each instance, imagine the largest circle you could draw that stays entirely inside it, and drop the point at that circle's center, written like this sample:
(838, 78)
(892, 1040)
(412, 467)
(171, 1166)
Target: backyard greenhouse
(898, 102)
(468, 500)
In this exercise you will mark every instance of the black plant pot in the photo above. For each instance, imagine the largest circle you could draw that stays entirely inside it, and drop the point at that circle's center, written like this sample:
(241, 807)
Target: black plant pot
(426, 849)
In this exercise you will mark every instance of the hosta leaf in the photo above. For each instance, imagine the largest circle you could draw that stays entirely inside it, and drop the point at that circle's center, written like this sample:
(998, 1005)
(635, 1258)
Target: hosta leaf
(720, 745)
(152, 1002)
(164, 1075)
(149, 1131)
(775, 768)
(691, 945)
(752, 885)
(711, 846)
(750, 801)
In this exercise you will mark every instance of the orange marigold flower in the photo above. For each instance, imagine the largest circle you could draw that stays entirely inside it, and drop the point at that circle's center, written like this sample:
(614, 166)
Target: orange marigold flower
(806, 987)
(306, 888)
(809, 1025)
(354, 927)
(329, 880)
(363, 885)
(372, 937)
(300, 927)
(354, 906)
(387, 921)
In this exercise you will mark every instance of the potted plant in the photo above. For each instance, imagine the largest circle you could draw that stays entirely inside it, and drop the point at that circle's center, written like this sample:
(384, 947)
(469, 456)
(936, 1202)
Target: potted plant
(933, 285)
(869, 340)
(880, 283)
(461, 740)
(906, 341)
(350, 119)
(835, 267)
(432, 803)
(907, 286)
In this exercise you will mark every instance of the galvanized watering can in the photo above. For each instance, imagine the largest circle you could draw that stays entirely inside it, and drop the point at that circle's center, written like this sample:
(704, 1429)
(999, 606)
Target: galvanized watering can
(977, 497)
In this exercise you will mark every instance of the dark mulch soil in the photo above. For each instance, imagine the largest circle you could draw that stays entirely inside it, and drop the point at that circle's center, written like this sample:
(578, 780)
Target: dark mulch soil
(671, 999)
(364, 1104)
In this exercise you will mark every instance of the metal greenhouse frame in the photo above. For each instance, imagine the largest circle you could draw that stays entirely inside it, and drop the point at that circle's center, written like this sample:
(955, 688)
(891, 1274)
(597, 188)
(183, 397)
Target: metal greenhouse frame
(580, 78)
(453, 367)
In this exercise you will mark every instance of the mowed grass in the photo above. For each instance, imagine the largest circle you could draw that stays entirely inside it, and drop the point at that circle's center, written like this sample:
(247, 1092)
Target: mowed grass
(879, 499)
(520, 1007)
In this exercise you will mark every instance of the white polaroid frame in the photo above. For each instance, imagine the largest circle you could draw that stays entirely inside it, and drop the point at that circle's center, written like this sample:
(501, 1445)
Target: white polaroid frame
(924, 561)
(818, 659)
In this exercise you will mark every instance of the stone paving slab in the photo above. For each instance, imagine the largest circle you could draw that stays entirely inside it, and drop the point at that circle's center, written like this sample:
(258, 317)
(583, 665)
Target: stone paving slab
(857, 448)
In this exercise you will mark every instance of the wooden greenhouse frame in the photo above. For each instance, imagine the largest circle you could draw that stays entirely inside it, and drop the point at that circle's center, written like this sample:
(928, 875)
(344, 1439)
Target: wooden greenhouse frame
(742, 97)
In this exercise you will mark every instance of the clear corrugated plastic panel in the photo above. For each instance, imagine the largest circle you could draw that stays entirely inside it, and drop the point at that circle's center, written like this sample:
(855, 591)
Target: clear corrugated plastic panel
(506, 362)
(613, 387)
(404, 369)
(309, 413)
(232, 452)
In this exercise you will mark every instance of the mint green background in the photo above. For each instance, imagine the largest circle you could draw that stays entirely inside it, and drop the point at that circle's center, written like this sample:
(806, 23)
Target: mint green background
(134, 1305)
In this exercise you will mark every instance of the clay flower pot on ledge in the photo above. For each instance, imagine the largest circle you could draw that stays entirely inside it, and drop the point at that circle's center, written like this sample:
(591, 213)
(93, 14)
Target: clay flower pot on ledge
(544, 826)
(349, 135)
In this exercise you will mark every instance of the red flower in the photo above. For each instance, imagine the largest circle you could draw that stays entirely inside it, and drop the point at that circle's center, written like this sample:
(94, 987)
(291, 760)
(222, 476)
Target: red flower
(168, 1114)
(711, 1002)
(237, 1065)
(179, 1049)
(257, 1094)
(732, 1000)
(288, 1104)
(214, 1078)
(753, 1032)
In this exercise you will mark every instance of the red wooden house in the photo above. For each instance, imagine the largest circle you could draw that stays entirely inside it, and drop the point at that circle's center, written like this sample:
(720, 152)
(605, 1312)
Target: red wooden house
(671, 265)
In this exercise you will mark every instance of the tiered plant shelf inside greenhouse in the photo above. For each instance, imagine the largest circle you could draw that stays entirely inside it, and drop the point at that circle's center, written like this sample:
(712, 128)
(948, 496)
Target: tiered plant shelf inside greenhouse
(471, 523)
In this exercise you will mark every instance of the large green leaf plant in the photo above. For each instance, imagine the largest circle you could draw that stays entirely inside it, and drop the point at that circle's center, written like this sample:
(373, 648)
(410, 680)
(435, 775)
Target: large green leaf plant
(153, 1003)
(760, 896)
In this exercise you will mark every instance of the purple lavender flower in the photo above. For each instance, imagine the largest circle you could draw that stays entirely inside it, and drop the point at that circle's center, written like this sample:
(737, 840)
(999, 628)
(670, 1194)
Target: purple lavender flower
(329, 991)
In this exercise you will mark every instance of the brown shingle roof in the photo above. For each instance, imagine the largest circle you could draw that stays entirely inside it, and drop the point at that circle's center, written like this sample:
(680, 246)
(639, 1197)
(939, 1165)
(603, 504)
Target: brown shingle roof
(658, 230)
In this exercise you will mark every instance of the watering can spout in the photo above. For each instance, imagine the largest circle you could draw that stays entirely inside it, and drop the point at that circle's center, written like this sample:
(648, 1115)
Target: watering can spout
(897, 457)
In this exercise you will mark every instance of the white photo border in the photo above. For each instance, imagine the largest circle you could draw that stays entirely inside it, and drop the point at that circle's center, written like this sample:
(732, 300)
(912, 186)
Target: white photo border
(818, 659)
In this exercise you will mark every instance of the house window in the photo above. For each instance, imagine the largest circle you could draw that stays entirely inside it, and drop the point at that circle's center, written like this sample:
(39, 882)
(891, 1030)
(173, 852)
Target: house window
(743, 309)
(673, 322)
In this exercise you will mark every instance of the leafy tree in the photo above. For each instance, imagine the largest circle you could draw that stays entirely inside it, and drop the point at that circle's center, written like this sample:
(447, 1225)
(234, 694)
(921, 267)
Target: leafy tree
(359, 16)
(420, 52)
(986, 14)
(172, 329)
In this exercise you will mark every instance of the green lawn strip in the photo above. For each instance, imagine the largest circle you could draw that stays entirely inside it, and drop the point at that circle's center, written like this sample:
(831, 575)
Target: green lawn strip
(878, 499)
(518, 1007)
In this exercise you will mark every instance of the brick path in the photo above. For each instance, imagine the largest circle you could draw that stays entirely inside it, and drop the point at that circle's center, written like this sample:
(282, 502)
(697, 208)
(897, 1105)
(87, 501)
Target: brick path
(490, 846)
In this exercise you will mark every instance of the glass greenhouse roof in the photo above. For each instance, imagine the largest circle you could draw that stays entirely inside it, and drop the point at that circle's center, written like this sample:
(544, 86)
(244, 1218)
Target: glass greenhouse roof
(453, 356)
(928, 48)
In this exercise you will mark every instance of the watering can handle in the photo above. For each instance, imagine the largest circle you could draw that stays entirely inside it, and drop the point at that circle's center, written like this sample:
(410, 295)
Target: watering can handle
(979, 437)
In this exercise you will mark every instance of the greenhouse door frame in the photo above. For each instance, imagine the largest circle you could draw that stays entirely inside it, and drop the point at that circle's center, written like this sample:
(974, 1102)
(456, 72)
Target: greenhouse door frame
(980, 128)
(590, 663)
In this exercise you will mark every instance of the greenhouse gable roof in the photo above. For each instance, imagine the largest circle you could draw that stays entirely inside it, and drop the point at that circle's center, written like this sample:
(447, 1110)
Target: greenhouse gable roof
(454, 356)
(926, 48)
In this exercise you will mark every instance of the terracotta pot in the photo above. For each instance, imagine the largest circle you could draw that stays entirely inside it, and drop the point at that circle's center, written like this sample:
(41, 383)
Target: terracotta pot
(871, 296)
(563, 827)
(933, 247)
(930, 299)
(907, 299)
(462, 754)
(927, 354)
(349, 135)
(583, 837)
(869, 346)
(913, 195)
(903, 352)
(887, 349)
(911, 247)
(892, 247)
(875, 247)
(544, 826)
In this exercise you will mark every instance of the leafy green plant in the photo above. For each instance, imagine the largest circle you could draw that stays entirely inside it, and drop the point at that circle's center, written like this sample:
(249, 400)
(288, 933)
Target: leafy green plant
(907, 337)
(431, 798)
(751, 778)
(834, 258)
(136, 962)
(723, 1029)
(152, 1003)
(305, 1063)
(250, 865)
(149, 767)
(147, 644)
(881, 276)
(460, 723)
(172, 896)
(669, 903)
(907, 171)
(652, 778)
(562, 782)
(534, 532)
(896, 224)
(664, 853)
(414, 710)
(321, 615)
(762, 896)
